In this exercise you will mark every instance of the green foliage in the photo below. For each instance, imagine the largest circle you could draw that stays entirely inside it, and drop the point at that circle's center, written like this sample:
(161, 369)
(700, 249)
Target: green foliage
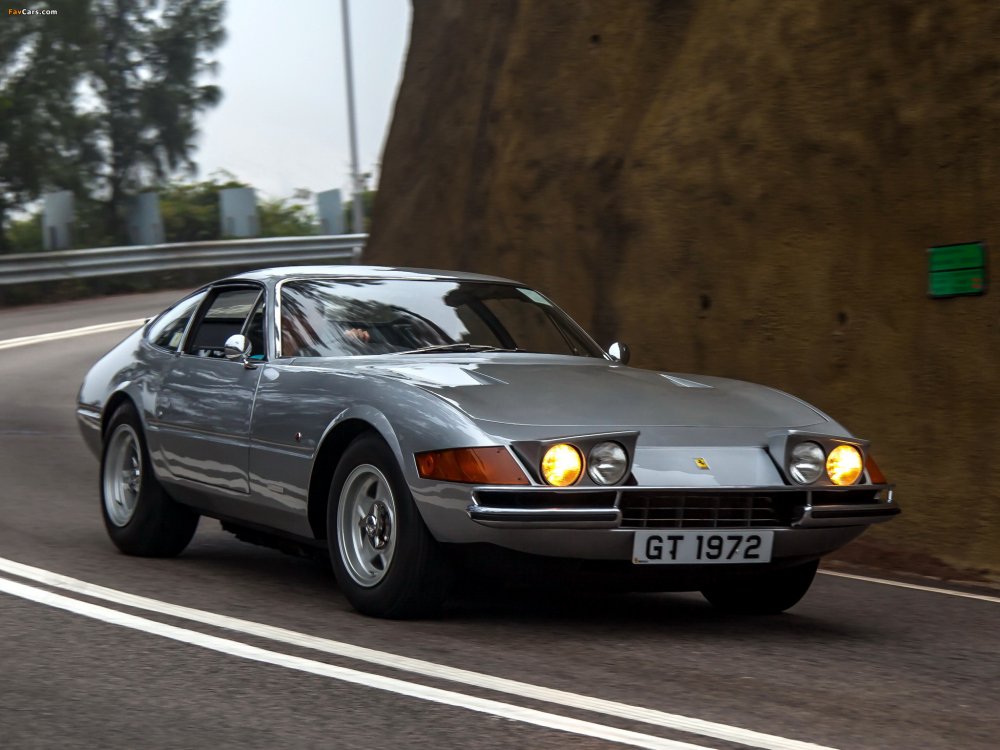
(91, 227)
(283, 218)
(45, 142)
(101, 99)
(190, 211)
(25, 235)
(146, 74)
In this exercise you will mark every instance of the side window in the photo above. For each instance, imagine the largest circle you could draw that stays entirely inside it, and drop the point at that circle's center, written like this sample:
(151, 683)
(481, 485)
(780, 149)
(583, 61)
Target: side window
(167, 331)
(301, 319)
(225, 317)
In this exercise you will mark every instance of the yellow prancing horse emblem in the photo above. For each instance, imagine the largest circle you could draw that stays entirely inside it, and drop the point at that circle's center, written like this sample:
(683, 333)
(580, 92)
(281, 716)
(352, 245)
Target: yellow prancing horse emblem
(701, 463)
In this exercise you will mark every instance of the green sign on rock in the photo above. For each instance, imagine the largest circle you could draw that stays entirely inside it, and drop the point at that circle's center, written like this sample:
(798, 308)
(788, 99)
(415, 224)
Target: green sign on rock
(956, 269)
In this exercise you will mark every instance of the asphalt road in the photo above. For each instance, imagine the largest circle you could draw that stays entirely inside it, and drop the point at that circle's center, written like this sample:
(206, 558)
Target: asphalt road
(856, 665)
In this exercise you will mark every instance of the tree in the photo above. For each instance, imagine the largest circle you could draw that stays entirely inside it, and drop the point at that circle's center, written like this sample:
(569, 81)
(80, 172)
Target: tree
(44, 142)
(146, 75)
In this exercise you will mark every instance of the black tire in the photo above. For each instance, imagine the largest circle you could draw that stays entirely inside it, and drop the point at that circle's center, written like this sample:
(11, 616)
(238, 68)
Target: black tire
(416, 579)
(141, 519)
(767, 593)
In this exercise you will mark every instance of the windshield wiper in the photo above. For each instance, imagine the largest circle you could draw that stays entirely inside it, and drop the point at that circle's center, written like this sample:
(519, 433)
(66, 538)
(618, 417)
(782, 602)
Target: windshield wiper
(458, 347)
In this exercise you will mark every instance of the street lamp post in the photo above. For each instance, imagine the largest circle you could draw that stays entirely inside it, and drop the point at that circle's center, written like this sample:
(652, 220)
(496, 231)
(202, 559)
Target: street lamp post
(358, 213)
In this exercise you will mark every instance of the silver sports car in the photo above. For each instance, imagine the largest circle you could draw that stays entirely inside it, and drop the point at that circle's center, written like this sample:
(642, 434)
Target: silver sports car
(406, 420)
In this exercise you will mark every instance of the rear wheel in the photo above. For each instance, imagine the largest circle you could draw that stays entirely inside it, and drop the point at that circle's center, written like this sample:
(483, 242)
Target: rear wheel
(767, 593)
(140, 517)
(386, 561)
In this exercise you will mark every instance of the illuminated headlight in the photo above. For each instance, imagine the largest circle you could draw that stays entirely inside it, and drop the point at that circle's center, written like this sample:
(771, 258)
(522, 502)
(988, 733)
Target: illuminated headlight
(562, 465)
(844, 464)
(607, 463)
(806, 464)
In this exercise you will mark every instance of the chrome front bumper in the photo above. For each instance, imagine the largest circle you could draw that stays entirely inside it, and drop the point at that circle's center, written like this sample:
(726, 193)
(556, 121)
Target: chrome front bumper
(848, 515)
(546, 518)
(586, 508)
(600, 523)
(88, 419)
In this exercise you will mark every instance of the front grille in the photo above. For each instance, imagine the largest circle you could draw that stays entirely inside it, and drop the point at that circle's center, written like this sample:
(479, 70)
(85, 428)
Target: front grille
(667, 509)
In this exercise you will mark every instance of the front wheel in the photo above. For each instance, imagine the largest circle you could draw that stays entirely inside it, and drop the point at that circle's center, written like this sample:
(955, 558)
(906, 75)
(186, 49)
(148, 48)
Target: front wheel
(139, 516)
(767, 593)
(385, 560)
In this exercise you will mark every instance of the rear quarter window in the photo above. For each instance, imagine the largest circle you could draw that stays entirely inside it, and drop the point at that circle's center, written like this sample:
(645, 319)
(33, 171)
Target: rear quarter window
(167, 331)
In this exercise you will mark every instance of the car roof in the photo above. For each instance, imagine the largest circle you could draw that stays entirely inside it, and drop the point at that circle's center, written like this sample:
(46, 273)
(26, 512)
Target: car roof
(361, 272)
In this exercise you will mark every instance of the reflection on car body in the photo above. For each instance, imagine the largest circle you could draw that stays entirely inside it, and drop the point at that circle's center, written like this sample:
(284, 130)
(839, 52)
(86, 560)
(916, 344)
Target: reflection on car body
(395, 416)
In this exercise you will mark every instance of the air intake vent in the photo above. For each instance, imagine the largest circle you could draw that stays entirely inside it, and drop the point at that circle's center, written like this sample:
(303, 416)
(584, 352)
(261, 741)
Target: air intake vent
(666, 509)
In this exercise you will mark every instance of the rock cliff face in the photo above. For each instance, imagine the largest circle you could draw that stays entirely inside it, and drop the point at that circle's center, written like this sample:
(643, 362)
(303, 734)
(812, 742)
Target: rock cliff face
(744, 189)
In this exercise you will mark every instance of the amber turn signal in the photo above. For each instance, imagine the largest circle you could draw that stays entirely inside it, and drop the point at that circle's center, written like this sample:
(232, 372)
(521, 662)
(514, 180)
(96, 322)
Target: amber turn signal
(492, 465)
(875, 475)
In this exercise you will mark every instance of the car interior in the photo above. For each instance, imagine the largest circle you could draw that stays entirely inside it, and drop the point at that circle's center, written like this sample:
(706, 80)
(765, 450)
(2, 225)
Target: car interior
(231, 312)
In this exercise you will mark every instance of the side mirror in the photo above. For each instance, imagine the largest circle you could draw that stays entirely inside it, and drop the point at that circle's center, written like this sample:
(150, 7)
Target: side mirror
(620, 352)
(238, 348)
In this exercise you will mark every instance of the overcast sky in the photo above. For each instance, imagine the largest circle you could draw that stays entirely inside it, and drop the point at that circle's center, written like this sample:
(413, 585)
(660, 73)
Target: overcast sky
(282, 122)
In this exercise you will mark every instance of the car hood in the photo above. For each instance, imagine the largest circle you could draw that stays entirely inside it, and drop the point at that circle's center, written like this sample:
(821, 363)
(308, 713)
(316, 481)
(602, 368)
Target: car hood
(600, 394)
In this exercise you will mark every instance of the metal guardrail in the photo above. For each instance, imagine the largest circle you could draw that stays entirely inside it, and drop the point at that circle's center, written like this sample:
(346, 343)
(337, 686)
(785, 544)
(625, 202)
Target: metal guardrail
(25, 268)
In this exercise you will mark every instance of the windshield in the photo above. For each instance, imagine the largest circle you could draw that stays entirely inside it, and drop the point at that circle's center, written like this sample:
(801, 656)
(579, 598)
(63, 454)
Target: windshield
(344, 317)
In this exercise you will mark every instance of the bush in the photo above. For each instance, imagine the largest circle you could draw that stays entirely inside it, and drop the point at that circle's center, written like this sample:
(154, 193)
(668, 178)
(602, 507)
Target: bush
(190, 211)
(25, 235)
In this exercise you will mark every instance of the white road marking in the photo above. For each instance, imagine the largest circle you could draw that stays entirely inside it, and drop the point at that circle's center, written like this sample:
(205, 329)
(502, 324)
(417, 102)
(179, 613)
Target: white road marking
(352, 676)
(415, 666)
(918, 587)
(70, 333)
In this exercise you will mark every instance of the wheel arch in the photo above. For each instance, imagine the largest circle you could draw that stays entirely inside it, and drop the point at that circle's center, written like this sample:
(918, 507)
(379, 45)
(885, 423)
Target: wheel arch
(340, 434)
(116, 399)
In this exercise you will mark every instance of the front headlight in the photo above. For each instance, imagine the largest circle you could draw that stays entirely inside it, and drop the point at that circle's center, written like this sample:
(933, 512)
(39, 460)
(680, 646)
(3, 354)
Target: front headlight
(562, 465)
(844, 465)
(607, 463)
(806, 464)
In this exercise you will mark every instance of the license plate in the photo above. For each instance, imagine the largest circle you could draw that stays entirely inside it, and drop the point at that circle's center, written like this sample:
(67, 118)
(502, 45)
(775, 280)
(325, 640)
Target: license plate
(700, 547)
